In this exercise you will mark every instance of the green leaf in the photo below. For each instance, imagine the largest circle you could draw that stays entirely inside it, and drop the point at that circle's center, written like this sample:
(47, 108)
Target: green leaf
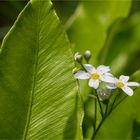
(88, 29)
(125, 43)
(38, 94)
(124, 122)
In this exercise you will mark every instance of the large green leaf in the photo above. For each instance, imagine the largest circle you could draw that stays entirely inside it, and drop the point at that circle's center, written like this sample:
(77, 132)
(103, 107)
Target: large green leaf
(38, 94)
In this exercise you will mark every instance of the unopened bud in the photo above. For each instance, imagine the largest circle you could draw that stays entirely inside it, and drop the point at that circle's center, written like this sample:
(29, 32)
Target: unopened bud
(87, 55)
(104, 94)
(78, 57)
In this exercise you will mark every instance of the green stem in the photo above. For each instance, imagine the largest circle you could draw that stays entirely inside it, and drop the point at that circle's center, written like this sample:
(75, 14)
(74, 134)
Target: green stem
(95, 114)
(103, 119)
(106, 109)
(107, 114)
(98, 128)
(104, 116)
(83, 67)
(112, 106)
(101, 109)
(87, 61)
(119, 102)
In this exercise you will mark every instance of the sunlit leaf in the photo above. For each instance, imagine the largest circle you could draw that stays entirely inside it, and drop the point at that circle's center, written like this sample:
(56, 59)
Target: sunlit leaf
(38, 94)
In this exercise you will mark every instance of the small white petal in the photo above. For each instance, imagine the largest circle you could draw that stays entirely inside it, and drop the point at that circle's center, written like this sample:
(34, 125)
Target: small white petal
(103, 69)
(111, 86)
(93, 83)
(132, 84)
(109, 74)
(116, 79)
(91, 69)
(108, 79)
(124, 78)
(128, 90)
(81, 75)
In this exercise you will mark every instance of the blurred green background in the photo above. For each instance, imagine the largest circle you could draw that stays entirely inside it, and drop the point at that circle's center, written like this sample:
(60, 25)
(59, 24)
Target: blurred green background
(9, 10)
(115, 43)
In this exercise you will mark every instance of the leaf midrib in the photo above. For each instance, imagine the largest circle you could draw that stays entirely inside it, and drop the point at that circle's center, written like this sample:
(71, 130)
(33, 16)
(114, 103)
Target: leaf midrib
(29, 114)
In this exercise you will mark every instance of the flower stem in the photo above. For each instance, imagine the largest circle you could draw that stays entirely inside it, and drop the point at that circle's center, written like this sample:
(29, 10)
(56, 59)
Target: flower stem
(83, 67)
(98, 128)
(114, 106)
(100, 124)
(106, 109)
(95, 114)
(87, 61)
(101, 109)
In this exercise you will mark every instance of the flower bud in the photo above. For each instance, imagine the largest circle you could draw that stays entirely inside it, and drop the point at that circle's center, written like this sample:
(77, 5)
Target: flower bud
(87, 55)
(104, 94)
(78, 57)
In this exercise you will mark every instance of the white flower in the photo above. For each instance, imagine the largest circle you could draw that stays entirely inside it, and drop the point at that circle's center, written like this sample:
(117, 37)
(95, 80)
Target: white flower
(123, 83)
(95, 75)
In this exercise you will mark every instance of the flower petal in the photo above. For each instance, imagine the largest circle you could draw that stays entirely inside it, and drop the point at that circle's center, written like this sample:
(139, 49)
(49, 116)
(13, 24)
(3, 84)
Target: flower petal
(111, 86)
(81, 75)
(109, 74)
(128, 90)
(91, 69)
(124, 78)
(108, 79)
(103, 69)
(132, 84)
(93, 83)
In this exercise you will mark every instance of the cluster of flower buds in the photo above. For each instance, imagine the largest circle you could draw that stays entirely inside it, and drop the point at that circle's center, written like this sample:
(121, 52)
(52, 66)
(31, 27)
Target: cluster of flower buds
(100, 75)
(78, 57)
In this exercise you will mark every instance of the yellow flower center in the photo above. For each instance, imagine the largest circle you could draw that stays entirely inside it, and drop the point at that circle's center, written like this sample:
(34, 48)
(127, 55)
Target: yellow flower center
(95, 76)
(120, 84)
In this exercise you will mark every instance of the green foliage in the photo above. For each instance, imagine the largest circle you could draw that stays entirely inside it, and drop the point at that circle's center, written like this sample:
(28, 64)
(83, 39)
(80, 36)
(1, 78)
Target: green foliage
(38, 94)
(88, 30)
(122, 43)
